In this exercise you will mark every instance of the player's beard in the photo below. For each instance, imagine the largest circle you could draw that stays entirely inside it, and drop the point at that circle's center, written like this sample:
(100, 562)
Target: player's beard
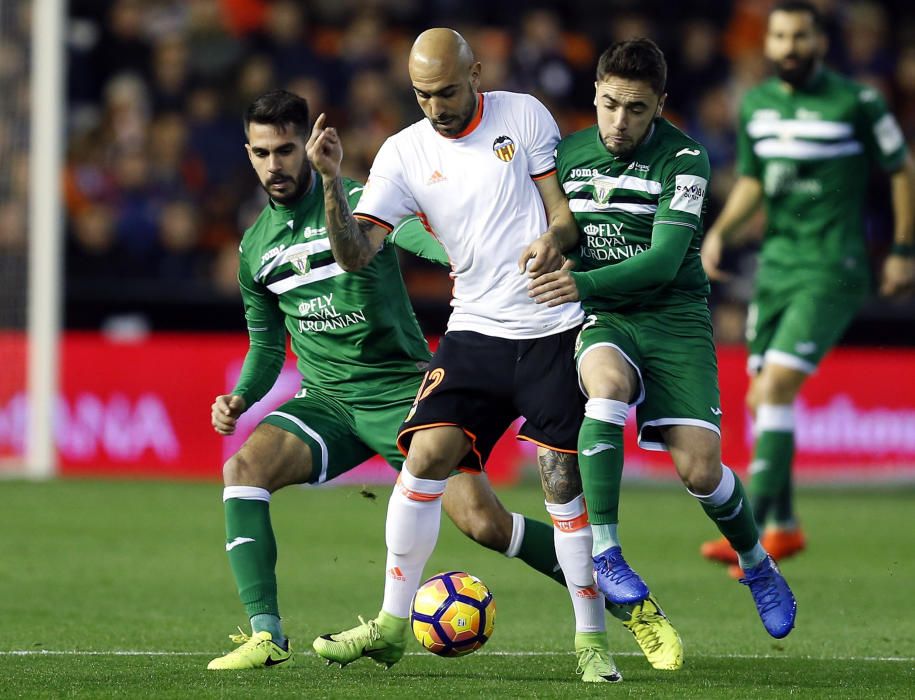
(302, 183)
(621, 150)
(798, 74)
(458, 122)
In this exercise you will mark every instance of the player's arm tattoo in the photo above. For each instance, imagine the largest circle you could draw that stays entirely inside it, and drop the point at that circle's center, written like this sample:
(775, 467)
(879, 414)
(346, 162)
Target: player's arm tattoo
(349, 240)
(559, 475)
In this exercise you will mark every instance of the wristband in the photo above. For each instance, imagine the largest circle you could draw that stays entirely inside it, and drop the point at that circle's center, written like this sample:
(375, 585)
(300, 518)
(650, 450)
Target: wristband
(905, 250)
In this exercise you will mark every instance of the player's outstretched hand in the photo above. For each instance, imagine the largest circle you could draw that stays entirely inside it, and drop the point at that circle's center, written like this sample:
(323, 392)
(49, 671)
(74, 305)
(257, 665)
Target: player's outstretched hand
(898, 277)
(324, 149)
(225, 412)
(555, 288)
(712, 248)
(541, 256)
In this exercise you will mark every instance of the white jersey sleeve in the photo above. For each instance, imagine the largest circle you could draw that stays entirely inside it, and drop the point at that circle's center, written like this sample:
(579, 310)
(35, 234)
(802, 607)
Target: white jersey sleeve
(540, 135)
(386, 198)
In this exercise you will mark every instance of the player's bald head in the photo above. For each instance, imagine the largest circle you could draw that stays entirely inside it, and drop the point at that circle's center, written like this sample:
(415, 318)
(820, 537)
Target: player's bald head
(439, 52)
(445, 78)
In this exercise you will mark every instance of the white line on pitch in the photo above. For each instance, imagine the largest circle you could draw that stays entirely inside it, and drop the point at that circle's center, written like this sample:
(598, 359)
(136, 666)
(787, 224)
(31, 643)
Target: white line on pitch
(76, 652)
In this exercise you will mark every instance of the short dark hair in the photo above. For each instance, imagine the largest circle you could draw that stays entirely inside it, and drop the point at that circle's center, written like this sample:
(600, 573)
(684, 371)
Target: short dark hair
(634, 59)
(279, 108)
(794, 6)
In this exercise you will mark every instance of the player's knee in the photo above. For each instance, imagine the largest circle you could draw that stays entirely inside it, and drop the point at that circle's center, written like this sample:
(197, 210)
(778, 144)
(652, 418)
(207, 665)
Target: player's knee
(239, 471)
(609, 384)
(428, 459)
(700, 473)
(752, 400)
(778, 387)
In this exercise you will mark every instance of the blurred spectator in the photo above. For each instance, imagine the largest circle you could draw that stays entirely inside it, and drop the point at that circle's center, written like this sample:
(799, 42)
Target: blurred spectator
(215, 135)
(12, 227)
(538, 63)
(867, 55)
(122, 46)
(225, 272)
(182, 262)
(13, 260)
(213, 52)
(285, 42)
(93, 254)
(127, 111)
(255, 77)
(171, 78)
(905, 77)
(137, 203)
(697, 64)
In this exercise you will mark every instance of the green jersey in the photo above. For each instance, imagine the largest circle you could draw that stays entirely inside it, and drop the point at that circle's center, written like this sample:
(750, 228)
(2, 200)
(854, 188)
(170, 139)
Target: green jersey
(354, 334)
(810, 148)
(620, 202)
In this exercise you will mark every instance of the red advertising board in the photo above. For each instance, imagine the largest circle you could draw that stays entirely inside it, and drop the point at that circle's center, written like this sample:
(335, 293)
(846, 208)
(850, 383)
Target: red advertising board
(141, 409)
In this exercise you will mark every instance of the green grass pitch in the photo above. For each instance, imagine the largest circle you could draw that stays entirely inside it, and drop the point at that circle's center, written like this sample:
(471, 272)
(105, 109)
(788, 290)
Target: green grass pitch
(122, 589)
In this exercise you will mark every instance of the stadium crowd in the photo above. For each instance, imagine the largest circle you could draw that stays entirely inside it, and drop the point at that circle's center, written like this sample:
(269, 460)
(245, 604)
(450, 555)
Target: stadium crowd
(157, 186)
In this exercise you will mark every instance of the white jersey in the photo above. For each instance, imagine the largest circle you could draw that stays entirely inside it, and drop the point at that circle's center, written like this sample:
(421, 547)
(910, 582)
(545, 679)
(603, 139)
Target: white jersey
(476, 192)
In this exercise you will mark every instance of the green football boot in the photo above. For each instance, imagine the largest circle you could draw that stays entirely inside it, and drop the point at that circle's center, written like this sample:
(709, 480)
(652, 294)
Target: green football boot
(383, 640)
(257, 651)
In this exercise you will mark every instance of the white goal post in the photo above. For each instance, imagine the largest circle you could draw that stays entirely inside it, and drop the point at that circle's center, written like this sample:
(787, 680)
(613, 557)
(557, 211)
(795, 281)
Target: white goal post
(46, 233)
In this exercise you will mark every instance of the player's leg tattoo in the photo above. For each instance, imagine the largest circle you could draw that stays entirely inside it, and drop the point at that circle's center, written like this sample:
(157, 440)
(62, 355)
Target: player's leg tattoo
(559, 475)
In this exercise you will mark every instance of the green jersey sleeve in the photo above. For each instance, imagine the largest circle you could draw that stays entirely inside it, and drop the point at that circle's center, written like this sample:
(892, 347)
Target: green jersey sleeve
(412, 236)
(655, 267)
(748, 165)
(879, 131)
(684, 187)
(266, 338)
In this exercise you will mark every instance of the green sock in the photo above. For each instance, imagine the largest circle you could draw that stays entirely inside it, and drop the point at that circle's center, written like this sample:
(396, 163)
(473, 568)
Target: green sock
(538, 551)
(783, 507)
(600, 459)
(251, 548)
(770, 472)
(729, 509)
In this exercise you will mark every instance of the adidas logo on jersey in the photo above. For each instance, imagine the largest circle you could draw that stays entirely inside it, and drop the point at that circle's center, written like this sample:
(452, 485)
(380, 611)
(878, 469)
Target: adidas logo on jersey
(436, 178)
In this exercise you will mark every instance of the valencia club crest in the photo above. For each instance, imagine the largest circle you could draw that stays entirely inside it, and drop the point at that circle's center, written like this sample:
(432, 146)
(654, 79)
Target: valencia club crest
(504, 148)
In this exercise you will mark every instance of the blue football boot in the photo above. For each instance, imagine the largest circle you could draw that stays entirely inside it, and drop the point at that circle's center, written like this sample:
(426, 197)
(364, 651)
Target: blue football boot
(774, 600)
(616, 579)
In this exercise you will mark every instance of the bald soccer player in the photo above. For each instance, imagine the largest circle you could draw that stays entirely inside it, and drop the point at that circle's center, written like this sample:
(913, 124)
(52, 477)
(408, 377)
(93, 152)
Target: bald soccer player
(480, 171)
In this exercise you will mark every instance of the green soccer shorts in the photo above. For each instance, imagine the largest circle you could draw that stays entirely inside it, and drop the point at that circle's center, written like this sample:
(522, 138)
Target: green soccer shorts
(341, 436)
(796, 327)
(672, 353)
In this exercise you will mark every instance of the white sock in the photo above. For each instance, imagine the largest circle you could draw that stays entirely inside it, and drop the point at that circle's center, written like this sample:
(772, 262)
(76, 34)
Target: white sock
(514, 545)
(572, 537)
(411, 530)
(245, 493)
(722, 492)
(774, 418)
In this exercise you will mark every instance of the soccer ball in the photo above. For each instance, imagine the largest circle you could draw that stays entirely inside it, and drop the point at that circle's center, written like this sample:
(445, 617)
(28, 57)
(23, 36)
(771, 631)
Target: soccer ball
(452, 614)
